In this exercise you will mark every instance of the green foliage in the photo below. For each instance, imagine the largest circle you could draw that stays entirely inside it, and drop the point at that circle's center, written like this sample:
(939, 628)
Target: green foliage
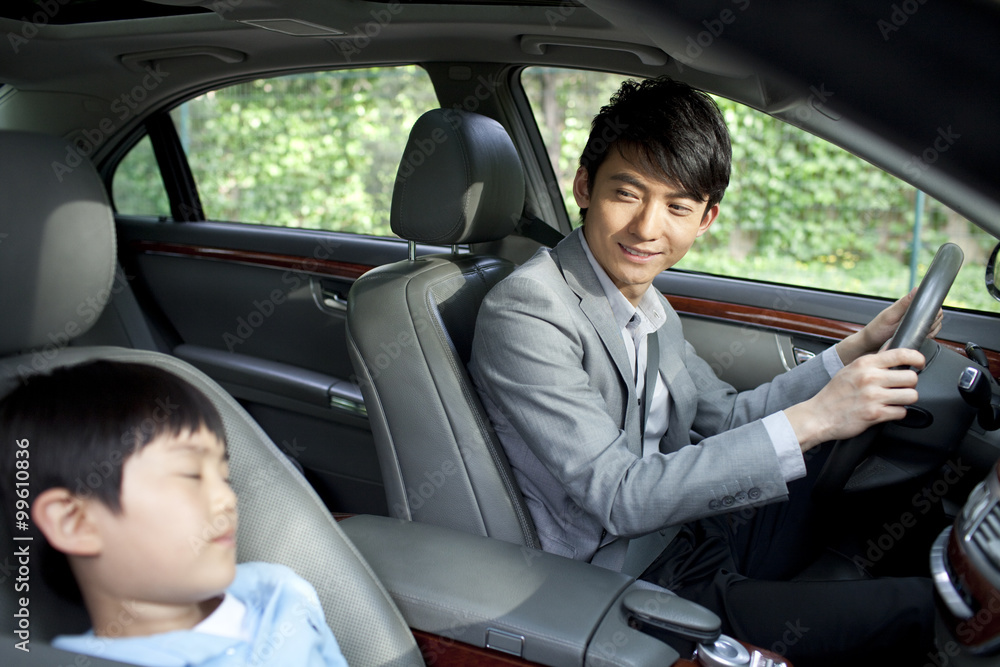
(316, 151)
(137, 188)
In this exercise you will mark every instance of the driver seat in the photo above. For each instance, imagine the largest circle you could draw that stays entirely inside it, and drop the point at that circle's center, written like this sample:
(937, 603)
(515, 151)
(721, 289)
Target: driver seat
(57, 265)
(410, 326)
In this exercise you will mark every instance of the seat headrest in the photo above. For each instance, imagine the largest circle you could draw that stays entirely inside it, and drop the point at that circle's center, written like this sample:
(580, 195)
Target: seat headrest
(459, 181)
(57, 243)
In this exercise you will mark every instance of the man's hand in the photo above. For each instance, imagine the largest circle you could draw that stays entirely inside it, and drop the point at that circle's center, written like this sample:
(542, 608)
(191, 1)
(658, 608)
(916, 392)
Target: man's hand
(868, 391)
(878, 332)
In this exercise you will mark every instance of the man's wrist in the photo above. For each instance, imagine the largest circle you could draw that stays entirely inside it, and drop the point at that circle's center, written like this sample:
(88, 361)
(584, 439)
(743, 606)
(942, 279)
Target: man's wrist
(806, 425)
(854, 346)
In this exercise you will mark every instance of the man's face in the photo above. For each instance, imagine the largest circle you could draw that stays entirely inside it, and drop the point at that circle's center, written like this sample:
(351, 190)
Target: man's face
(637, 225)
(174, 541)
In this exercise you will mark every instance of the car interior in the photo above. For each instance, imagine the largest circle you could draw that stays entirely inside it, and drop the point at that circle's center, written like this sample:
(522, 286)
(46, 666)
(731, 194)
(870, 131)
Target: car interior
(360, 452)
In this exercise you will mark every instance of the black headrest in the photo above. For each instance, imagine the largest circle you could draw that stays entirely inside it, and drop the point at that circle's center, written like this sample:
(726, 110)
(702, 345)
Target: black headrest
(460, 181)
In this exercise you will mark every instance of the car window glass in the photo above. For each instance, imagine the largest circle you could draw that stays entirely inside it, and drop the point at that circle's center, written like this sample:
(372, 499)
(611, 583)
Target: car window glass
(137, 188)
(798, 210)
(312, 151)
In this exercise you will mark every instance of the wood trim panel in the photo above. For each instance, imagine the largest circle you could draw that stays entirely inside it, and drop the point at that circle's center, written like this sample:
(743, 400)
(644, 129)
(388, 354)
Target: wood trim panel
(324, 267)
(774, 319)
(794, 323)
(443, 651)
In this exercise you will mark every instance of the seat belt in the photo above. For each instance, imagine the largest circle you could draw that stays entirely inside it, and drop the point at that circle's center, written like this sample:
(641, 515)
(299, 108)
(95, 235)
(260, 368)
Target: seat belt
(536, 229)
(642, 551)
(633, 556)
(652, 371)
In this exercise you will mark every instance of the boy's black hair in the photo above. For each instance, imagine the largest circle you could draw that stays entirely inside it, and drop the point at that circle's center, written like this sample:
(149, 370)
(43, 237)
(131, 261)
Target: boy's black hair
(81, 424)
(666, 128)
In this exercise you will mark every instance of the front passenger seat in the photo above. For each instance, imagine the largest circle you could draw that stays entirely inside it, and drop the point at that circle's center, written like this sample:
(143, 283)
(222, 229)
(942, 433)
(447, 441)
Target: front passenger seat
(57, 265)
(410, 327)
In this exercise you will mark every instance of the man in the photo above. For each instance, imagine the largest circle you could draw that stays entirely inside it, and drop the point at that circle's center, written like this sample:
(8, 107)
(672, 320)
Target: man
(570, 344)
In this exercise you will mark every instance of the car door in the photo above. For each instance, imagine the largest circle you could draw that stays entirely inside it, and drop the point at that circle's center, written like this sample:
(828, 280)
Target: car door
(244, 215)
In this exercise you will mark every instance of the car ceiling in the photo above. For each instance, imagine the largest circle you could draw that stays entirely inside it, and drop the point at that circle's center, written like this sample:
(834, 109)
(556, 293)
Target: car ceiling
(894, 77)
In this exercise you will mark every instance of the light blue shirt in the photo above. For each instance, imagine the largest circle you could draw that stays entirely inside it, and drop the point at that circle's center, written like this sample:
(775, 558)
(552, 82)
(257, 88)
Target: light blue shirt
(283, 618)
(636, 323)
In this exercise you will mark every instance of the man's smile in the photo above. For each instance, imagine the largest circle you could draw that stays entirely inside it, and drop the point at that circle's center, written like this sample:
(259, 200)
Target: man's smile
(638, 254)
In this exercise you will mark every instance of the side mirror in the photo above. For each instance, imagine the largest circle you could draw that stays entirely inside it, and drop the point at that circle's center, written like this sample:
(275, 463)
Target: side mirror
(993, 274)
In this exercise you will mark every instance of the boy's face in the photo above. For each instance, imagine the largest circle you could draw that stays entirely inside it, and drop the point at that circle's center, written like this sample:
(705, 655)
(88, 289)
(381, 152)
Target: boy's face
(174, 541)
(637, 225)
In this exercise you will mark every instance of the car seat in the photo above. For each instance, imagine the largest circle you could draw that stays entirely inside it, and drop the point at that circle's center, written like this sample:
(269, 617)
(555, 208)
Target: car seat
(410, 326)
(57, 265)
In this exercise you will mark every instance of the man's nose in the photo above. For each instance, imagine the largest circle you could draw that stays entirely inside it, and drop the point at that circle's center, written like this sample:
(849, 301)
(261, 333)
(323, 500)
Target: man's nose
(645, 222)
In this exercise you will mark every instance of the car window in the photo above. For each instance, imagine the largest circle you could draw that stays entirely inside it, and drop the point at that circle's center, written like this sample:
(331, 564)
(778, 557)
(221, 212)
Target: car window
(313, 151)
(137, 188)
(798, 210)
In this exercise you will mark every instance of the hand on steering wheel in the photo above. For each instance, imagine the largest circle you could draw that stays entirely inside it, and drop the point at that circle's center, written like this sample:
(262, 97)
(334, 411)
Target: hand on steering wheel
(913, 329)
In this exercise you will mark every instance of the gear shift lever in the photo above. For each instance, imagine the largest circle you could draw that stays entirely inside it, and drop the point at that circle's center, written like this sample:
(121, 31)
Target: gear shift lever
(979, 390)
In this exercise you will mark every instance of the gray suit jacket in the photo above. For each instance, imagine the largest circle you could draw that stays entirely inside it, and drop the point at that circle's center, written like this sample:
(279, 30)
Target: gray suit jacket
(552, 370)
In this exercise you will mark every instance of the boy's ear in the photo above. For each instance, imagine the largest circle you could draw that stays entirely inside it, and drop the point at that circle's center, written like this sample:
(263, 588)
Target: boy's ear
(66, 522)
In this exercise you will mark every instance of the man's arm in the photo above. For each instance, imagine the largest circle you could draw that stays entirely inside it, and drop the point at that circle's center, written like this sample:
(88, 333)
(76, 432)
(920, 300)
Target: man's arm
(539, 362)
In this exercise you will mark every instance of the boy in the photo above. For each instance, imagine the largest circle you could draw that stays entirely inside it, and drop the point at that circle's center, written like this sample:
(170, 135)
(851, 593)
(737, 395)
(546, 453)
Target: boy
(130, 488)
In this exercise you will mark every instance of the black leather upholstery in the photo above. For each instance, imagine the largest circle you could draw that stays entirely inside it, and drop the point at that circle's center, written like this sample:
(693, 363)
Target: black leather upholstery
(410, 327)
(459, 181)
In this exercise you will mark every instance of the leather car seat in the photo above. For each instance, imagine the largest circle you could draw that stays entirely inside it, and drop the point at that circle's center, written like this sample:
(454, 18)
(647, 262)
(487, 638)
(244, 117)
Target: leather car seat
(57, 263)
(410, 326)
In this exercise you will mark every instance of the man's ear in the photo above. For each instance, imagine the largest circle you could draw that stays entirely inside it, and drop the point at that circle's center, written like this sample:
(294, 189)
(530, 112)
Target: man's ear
(581, 188)
(706, 221)
(67, 523)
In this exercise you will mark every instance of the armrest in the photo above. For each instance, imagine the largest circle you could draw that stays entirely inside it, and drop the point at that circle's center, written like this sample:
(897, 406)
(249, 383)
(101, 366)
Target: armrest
(488, 593)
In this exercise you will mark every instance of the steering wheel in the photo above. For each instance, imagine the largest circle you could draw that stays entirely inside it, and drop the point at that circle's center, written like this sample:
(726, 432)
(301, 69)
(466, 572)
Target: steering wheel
(848, 454)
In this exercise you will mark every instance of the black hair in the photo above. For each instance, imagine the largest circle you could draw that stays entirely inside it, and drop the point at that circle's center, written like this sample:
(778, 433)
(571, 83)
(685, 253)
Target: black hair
(82, 422)
(79, 424)
(666, 128)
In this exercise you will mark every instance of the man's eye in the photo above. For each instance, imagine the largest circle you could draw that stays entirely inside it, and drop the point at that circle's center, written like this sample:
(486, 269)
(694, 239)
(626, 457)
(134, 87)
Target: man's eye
(196, 475)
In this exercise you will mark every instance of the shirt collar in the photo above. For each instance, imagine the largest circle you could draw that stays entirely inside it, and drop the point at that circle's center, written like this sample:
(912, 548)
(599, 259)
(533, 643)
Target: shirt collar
(650, 309)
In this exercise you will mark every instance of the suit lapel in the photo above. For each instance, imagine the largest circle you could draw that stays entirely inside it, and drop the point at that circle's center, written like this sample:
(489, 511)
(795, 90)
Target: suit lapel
(580, 277)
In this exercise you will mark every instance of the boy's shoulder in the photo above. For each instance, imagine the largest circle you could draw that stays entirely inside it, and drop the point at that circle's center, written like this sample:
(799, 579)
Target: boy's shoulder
(257, 579)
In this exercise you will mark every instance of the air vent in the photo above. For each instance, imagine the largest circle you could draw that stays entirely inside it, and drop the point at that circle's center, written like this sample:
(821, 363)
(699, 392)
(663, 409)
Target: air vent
(987, 535)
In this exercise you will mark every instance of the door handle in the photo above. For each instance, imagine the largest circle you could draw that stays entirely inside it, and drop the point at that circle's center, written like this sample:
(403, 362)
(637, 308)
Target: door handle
(329, 299)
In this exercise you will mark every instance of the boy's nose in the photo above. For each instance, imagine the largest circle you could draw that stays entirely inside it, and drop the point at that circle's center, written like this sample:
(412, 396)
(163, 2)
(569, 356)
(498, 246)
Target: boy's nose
(225, 498)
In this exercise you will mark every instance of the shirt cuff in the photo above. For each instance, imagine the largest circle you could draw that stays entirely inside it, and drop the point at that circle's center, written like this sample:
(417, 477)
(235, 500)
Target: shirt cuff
(790, 461)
